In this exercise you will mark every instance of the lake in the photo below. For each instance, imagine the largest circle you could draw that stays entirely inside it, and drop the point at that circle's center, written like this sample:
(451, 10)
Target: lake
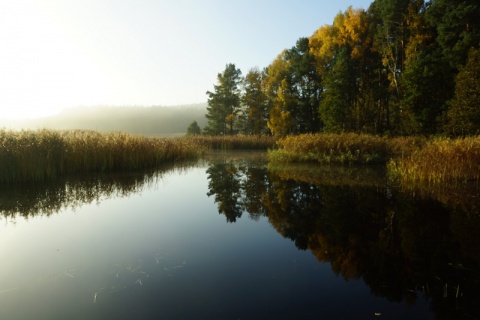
(234, 237)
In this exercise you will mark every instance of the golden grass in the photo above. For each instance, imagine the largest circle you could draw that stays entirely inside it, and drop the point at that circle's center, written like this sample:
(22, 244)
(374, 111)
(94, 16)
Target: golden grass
(44, 154)
(233, 142)
(438, 161)
(408, 159)
(346, 148)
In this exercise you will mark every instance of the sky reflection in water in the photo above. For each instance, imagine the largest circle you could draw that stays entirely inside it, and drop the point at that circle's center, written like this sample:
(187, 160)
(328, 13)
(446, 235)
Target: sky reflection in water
(155, 246)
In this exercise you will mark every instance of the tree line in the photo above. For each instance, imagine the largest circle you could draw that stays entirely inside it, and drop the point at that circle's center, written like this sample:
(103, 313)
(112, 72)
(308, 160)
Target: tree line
(401, 67)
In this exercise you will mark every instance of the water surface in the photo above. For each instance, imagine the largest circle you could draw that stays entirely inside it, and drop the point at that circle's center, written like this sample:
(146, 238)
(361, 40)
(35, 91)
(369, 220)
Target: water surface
(235, 238)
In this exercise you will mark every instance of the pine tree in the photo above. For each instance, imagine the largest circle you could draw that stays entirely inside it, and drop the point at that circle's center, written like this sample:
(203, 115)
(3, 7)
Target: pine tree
(193, 129)
(224, 102)
(464, 113)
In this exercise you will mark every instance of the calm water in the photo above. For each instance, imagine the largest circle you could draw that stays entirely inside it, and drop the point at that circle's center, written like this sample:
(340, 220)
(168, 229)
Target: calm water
(235, 238)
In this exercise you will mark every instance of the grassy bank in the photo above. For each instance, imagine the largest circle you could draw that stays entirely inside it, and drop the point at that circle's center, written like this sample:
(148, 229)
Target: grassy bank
(346, 148)
(439, 160)
(45, 154)
(236, 142)
(408, 159)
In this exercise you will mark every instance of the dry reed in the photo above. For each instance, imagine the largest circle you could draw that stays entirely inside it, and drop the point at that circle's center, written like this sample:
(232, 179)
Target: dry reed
(438, 161)
(44, 154)
(234, 142)
(346, 148)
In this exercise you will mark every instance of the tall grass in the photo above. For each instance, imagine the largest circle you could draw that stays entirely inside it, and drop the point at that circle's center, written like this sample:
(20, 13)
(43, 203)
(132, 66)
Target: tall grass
(409, 159)
(438, 161)
(44, 154)
(235, 142)
(347, 148)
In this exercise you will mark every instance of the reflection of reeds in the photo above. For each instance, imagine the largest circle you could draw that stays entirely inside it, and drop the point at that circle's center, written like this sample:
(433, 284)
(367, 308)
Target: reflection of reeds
(33, 199)
(354, 176)
(45, 154)
(458, 195)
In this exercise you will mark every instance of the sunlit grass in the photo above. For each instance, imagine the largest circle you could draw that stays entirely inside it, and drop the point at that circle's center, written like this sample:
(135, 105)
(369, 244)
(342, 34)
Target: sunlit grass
(45, 154)
(234, 142)
(347, 148)
(42, 155)
(408, 159)
(438, 161)
(447, 170)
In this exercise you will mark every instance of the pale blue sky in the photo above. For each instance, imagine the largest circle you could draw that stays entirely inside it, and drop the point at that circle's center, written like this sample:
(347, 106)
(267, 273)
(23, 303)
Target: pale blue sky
(66, 53)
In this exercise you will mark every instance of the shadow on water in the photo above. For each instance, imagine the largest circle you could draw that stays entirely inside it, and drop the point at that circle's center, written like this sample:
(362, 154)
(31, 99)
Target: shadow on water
(405, 246)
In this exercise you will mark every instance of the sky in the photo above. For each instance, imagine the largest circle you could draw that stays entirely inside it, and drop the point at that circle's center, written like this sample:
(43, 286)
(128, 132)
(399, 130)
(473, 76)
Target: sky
(57, 54)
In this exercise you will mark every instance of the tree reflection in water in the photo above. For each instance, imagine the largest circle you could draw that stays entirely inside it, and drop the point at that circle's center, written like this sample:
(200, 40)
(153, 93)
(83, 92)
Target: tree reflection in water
(404, 247)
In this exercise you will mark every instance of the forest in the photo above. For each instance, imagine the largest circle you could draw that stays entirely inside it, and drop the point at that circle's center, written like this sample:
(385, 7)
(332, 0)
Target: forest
(397, 68)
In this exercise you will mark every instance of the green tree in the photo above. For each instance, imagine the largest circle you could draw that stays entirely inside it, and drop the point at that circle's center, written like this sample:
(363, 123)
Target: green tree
(293, 85)
(390, 38)
(193, 129)
(426, 85)
(255, 103)
(353, 77)
(224, 102)
(338, 98)
(464, 113)
(304, 82)
(458, 27)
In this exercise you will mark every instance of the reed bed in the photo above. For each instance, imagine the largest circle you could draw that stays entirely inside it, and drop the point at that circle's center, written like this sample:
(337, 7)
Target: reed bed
(346, 148)
(438, 161)
(235, 142)
(45, 154)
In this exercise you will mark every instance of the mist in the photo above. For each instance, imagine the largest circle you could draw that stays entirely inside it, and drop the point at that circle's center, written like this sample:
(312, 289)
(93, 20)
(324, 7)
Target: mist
(154, 120)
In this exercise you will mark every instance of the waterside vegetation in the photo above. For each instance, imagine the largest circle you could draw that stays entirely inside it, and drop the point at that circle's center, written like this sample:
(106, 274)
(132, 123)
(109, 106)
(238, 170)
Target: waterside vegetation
(344, 148)
(232, 142)
(440, 160)
(41, 155)
(46, 154)
(409, 160)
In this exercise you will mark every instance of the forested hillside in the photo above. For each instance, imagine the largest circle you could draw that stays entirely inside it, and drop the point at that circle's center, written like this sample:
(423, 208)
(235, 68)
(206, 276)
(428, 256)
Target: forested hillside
(399, 67)
(143, 120)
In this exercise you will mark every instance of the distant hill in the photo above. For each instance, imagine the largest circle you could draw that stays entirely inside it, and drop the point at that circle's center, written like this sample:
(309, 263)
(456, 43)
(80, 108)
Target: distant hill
(154, 120)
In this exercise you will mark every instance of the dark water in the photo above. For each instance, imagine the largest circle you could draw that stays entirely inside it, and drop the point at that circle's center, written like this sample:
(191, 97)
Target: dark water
(235, 238)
